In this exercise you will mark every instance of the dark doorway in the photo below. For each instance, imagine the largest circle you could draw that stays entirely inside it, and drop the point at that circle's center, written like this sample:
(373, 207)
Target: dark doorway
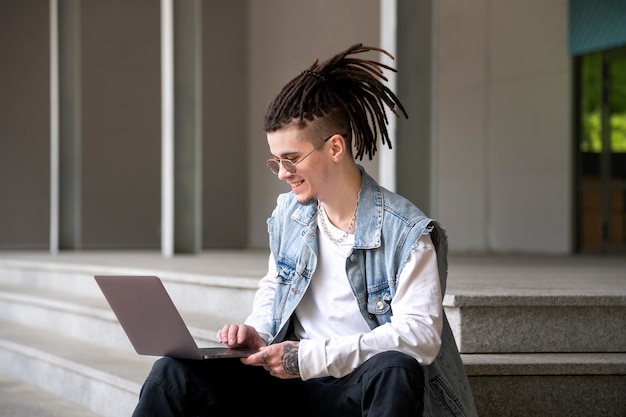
(601, 152)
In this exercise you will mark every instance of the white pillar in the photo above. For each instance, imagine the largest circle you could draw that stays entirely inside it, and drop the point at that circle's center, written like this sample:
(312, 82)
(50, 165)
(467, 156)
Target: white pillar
(54, 126)
(388, 29)
(181, 48)
(167, 127)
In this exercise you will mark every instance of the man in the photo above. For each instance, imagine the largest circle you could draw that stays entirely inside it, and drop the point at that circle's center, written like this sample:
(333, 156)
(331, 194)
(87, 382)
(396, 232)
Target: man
(348, 320)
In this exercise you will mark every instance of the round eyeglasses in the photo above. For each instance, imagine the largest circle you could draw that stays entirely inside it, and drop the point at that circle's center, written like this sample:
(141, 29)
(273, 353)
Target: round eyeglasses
(289, 165)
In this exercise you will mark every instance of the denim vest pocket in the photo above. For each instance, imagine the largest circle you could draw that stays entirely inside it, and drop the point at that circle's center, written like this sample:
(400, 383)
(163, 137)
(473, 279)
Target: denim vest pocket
(446, 381)
(379, 305)
(449, 405)
(291, 283)
(285, 276)
(285, 271)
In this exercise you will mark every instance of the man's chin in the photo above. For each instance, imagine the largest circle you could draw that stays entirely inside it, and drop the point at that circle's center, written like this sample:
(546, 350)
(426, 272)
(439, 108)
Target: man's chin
(306, 200)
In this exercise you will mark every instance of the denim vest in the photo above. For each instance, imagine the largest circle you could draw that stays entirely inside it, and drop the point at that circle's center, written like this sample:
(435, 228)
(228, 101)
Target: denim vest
(373, 270)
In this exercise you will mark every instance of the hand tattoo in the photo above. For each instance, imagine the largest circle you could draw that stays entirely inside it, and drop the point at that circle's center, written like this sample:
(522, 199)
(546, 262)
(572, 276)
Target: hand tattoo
(290, 359)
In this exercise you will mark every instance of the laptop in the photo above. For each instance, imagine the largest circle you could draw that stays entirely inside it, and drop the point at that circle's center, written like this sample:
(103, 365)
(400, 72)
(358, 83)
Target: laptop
(151, 321)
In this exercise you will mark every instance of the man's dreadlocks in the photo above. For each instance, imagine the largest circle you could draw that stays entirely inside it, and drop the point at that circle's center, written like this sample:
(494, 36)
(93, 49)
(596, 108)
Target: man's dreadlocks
(342, 88)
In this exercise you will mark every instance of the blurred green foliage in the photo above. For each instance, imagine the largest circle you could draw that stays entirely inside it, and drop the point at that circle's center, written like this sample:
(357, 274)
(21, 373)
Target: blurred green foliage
(591, 104)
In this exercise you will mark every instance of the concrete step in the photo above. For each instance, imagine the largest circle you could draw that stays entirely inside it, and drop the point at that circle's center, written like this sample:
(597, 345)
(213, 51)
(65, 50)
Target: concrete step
(550, 323)
(548, 385)
(212, 288)
(102, 380)
(20, 399)
(509, 304)
(545, 308)
(107, 381)
(86, 318)
(483, 321)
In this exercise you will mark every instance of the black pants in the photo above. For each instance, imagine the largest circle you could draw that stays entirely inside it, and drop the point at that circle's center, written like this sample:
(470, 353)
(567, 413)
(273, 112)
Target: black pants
(389, 384)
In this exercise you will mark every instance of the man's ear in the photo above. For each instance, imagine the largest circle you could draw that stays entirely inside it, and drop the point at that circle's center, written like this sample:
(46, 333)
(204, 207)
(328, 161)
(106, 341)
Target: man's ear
(338, 146)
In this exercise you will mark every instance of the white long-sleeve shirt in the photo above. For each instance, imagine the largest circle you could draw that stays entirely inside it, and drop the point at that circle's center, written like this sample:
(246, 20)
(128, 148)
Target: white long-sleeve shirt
(334, 337)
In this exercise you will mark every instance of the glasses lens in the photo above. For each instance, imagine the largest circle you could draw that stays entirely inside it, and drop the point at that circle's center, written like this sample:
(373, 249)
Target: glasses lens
(273, 165)
(288, 165)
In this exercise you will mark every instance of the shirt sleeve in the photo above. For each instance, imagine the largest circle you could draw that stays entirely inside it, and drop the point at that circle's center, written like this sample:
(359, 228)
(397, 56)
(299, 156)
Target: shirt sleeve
(261, 316)
(415, 327)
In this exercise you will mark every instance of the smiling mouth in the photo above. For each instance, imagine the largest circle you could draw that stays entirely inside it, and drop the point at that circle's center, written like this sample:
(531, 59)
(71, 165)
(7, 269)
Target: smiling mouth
(296, 184)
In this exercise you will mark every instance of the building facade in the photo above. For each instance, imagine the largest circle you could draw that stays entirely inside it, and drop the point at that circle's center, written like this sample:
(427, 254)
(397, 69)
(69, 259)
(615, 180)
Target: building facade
(136, 124)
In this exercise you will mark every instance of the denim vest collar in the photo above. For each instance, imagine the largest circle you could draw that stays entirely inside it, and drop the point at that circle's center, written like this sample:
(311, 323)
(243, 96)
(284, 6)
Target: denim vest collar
(370, 221)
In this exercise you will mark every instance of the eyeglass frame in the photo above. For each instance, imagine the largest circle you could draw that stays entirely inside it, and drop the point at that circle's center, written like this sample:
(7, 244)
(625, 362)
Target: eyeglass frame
(281, 161)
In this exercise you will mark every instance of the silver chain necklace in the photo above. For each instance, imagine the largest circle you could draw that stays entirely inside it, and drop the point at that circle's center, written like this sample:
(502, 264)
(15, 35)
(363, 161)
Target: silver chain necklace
(320, 208)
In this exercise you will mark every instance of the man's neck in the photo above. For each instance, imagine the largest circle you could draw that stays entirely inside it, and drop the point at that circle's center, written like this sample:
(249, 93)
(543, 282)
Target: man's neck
(340, 205)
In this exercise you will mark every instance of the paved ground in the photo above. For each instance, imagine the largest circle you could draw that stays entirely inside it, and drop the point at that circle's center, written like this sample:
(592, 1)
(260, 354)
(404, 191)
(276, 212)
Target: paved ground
(19, 399)
(538, 275)
(468, 274)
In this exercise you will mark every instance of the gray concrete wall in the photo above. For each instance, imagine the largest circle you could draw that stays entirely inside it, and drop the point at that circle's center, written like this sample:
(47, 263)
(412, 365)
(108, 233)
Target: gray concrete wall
(120, 93)
(24, 124)
(504, 125)
(122, 127)
(225, 145)
(285, 37)
(121, 148)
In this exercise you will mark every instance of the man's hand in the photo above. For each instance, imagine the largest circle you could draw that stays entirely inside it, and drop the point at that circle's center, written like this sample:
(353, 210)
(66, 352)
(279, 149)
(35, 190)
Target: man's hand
(280, 360)
(240, 336)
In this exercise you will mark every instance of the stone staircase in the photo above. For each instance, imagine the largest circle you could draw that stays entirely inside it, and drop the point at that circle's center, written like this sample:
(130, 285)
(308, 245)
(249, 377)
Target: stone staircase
(542, 336)
(58, 333)
(539, 336)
